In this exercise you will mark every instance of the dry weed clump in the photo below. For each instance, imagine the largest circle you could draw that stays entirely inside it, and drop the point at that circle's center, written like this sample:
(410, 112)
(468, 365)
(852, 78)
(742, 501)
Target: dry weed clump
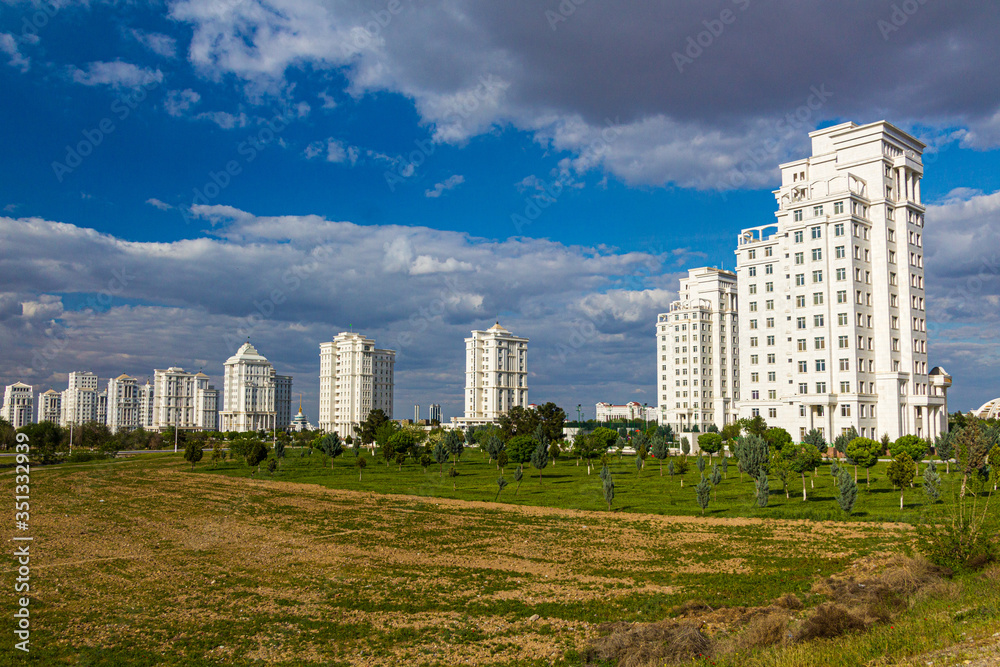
(764, 630)
(789, 601)
(648, 644)
(831, 620)
(873, 593)
(992, 574)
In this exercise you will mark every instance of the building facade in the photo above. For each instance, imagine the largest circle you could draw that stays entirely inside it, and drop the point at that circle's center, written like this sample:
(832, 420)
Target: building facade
(123, 410)
(355, 378)
(249, 392)
(283, 401)
(80, 399)
(496, 374)
(184, 400)
(434, 412)
(698, 351)
(631, 411)
(988, 410)
(50, 406)
(833, 328)
(19, 404)
(145, 407)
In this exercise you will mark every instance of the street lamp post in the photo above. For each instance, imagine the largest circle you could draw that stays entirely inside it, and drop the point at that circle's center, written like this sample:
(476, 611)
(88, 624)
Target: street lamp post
(579, 414)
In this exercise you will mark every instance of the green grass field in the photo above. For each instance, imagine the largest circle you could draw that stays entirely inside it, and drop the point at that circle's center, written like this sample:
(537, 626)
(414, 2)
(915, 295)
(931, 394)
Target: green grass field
(142, 562)
(567, 484)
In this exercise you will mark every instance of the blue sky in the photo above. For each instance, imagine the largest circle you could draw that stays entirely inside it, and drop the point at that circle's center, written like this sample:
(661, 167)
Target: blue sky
(415, 169)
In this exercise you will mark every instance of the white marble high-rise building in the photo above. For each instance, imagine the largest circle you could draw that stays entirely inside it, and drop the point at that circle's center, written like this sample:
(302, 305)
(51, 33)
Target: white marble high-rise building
(185, 400)
(250, 392)
(496, 374)
(50, 406)
(18, 404)
(833, 322)
(355, 378)
(80, 399)
(124, 404)
(698, 352)
(145, 407)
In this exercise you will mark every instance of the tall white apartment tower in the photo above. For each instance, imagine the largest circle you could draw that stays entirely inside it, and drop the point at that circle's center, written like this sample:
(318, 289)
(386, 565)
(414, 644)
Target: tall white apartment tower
(496, 374)
(123, 403)
(185, 400)
(249, 392)
(699, 352)
(80, 399)
(145, 407)
(50, 406)
(833, 327)
(18, 404)
(355, 378)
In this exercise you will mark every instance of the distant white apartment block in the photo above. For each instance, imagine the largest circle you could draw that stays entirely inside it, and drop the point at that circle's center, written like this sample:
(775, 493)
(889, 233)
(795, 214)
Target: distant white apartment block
(434, 412)
(130, 404)
(50, 406)
(631, 411)
(496, 375)
(145, 408)
(80, 399)
(698, 352)
(18, 404)
(185, 400)
(251, 393)
(355, 378)
(833, 322)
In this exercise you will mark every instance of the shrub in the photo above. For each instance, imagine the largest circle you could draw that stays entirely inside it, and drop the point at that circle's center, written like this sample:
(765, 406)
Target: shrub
(910, 444)
(703, 493)
(966, 538)
(847, 491)
(520, 448)
(932, 482)
(85, 455)
(753, 453)
(762, 490)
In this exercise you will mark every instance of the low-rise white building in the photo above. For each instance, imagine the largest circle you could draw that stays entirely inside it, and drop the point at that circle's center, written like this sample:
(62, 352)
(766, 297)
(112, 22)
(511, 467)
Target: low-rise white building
(631, 411)
(988, 410)
(300, 423)
(18, 404)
